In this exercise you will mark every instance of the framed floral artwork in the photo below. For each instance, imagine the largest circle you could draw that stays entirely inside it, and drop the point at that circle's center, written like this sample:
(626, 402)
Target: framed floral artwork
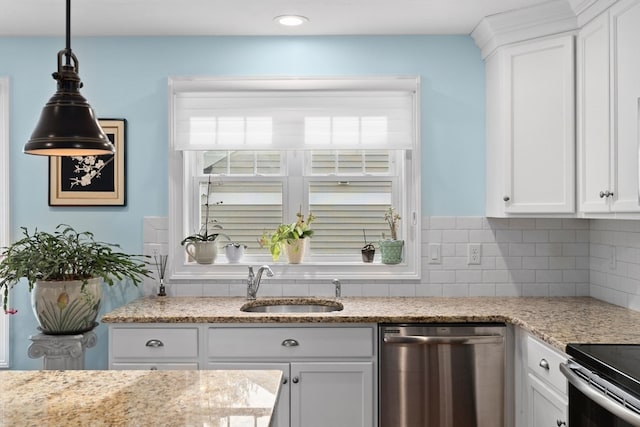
(91, 180)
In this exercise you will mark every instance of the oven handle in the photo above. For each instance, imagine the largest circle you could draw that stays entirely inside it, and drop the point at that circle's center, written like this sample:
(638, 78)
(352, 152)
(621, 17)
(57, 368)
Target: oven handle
(425, 340)
(608, 404)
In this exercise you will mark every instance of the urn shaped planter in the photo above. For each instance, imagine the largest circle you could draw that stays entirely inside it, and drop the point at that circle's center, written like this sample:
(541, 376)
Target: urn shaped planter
(66, 307)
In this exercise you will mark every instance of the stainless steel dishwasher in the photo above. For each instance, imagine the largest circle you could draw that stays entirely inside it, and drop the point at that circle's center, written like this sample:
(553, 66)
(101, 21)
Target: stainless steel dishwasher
(442, 375)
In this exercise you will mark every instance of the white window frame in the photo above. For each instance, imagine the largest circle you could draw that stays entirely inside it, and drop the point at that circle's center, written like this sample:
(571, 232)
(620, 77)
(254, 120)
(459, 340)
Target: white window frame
(180, 189)
(4, 206)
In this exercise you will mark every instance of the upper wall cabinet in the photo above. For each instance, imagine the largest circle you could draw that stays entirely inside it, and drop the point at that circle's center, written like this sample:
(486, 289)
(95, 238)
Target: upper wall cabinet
(530, 128)
(609, 111)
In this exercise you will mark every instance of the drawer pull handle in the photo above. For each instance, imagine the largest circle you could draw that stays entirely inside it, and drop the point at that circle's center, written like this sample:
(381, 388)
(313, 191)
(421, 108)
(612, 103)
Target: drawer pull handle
(295, 380)
(290, 343)
(154, 343)
(544, 364)
(153, 368)
(560, 423)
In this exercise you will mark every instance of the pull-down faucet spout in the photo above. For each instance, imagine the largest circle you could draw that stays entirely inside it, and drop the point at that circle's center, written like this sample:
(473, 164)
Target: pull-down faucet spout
(253, 280)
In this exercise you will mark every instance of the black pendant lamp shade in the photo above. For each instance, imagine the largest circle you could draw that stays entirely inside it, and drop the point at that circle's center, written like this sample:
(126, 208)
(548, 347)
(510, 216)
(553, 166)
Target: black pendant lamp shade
(67, 125)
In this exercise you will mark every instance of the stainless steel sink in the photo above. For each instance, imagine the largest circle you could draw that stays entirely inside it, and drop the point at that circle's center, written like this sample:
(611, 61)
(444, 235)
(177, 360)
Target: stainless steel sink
(292, 305)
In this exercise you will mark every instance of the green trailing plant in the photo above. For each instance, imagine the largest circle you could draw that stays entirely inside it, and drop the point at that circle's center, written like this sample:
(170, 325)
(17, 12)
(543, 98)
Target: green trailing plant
(287, 233)
(206, 235)
(392, 218)
(66, 255)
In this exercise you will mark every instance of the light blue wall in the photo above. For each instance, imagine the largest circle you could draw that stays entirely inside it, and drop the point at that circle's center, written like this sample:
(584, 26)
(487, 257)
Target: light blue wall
(127, 78)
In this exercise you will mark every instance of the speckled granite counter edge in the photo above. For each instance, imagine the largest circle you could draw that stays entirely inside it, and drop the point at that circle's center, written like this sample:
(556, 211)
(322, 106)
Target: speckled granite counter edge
(556, 321)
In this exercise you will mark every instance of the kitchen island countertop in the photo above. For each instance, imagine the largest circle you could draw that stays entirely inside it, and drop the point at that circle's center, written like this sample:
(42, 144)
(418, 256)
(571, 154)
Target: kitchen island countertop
(557, 321)
(137, 398)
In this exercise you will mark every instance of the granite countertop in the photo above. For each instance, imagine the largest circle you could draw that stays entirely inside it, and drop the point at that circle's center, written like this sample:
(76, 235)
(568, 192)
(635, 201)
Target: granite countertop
(557, 321)
(137, 398)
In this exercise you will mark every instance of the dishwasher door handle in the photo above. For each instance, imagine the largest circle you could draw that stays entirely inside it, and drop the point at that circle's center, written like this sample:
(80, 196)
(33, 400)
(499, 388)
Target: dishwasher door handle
(433, 340)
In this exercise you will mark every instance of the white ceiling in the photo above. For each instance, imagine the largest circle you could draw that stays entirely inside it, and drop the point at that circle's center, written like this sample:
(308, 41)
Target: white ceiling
(248, 17)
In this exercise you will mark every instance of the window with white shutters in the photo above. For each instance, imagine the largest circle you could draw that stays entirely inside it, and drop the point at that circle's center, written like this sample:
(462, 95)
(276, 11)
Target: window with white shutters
(343, 149)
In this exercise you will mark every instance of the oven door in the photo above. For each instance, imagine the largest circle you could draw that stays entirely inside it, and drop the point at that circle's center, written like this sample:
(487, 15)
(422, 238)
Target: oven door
(595, 402)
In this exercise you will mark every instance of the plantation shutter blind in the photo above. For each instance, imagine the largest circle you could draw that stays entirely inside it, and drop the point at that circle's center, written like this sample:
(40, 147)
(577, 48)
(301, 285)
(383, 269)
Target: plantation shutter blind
(293, 120)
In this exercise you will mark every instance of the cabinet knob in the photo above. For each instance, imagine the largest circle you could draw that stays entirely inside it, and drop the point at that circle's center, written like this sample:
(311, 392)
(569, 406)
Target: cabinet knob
(154, 343)
(285, 380)
(506, 198)
(290, 343)
(544, 364)
(295, 380)
(606, 193)
(560, 423)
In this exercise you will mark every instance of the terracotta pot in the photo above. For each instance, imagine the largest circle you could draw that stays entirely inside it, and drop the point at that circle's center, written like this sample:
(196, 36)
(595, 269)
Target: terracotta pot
(66, 307)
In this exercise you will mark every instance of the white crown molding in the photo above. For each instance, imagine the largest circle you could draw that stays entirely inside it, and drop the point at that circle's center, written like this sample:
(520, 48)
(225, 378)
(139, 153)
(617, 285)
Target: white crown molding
(586, 10)
(552, 17)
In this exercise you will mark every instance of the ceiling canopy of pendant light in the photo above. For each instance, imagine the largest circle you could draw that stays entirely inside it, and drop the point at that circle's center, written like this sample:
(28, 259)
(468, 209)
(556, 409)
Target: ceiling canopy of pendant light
(67, 125)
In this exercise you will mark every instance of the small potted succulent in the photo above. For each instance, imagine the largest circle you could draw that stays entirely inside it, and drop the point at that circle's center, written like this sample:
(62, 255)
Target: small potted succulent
(292, 238)
(202, 246)
(368, 250)
(65, 270)
(391, 249)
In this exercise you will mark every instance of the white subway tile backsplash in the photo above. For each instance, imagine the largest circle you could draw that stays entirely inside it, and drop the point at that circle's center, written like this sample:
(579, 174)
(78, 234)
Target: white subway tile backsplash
(519, 257)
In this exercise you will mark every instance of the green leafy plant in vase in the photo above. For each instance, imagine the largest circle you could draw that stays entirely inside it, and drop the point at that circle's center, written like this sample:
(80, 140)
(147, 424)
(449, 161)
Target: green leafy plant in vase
(391, 249)
(291, 238)
(65, 270)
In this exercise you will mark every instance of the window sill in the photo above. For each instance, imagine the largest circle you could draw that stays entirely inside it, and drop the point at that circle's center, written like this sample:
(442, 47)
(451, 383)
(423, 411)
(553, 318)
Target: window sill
(190, 272)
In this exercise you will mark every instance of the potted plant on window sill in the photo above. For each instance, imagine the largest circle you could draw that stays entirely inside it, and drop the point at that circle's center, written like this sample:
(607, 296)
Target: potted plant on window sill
(292, 238)
(64, 270)
(202, 247)
(391, 249)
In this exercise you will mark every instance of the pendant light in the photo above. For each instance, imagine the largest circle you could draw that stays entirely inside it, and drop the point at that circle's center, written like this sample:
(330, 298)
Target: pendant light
(67, 125)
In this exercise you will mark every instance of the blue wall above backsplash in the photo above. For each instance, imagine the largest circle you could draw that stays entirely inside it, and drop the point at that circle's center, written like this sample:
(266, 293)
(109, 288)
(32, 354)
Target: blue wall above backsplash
(127, 78)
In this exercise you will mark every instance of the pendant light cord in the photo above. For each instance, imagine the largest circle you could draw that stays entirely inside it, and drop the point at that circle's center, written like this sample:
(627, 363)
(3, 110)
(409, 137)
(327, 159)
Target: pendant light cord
(68, 34)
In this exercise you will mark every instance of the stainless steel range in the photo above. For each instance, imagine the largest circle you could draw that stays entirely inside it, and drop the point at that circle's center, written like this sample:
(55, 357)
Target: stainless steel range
(604, 385)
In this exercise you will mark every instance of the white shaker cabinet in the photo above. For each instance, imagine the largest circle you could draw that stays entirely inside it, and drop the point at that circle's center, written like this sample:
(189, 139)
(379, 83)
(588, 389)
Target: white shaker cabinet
(541, 389)
(624, 18)
(328, 371)
(530, 128)
(595, 183)
(608, 99)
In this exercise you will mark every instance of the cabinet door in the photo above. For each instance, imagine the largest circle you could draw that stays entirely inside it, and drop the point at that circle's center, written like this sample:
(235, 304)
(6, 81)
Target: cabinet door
(594, 148)
(547, 408)
(281, 413)
(539, 126)
(625, 69)
(332, 394)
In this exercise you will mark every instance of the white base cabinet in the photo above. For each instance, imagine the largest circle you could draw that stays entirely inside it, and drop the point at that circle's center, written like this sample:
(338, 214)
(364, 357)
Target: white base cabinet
(329, 371)
(541, 389)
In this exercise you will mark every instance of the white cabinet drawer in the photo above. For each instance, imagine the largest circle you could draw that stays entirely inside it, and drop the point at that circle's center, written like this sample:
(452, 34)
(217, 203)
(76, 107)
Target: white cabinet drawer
(154, 343)
(544, 362)
(152, 366)
(290, 342)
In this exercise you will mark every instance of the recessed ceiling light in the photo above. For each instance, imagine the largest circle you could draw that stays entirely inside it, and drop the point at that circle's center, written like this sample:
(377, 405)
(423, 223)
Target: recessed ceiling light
(291, 20)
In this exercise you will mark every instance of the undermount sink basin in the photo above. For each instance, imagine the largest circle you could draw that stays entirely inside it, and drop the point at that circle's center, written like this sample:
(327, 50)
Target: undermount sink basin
(292, 305)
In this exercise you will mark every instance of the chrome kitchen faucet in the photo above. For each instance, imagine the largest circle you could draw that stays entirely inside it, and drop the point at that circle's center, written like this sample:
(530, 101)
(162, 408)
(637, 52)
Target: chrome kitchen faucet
(253, 280)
